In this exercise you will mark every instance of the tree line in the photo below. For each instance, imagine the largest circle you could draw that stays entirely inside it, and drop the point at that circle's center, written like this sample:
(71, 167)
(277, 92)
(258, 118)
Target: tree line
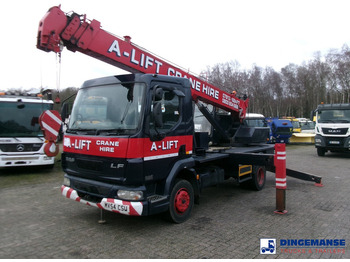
(294, 91)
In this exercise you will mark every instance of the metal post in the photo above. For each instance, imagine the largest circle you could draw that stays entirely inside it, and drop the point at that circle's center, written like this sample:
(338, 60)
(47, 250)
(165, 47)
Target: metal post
(101, 221)
(281, 178)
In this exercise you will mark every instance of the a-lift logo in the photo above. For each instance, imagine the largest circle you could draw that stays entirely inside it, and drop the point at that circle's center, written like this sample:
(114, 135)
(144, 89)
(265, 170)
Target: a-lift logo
(268, 246)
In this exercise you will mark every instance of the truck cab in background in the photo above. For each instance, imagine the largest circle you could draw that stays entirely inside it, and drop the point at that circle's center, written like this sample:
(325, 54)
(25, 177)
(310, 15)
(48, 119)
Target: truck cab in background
(281, 130)
(332, 128)
(21, 139)
(261, 128)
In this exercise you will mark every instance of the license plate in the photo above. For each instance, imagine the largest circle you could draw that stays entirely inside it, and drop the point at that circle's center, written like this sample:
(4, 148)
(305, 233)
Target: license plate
(334, 142)
(117, 207)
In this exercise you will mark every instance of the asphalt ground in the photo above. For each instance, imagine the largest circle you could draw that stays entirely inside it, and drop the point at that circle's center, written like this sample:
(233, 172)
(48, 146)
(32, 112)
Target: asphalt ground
(37, 222)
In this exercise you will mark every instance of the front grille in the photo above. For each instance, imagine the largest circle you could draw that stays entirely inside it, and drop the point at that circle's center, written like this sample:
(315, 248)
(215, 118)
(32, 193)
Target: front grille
(109, 170)
(93, 190)
(334, 131)
(88, 164)
(21, 147)
(283, 131)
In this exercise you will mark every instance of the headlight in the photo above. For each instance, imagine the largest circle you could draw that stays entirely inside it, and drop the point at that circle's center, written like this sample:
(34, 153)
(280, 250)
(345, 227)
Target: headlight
(66, 181)
(130, 195)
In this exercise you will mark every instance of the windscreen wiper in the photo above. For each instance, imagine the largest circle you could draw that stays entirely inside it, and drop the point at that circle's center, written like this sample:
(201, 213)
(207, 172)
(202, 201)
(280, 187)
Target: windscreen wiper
(343, 121)
(125, 112)
(80, 131)
(108, 132)
(326, 121)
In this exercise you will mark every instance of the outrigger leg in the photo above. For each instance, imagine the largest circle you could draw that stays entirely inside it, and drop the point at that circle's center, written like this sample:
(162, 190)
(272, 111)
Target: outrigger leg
(305, 176)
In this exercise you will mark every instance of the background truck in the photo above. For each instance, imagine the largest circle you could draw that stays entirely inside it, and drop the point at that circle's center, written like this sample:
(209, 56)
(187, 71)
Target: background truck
(130, 145)
(303, 131)
(307, 125)
(259, 126)
(332, 128)
(281, 130)
(21, 139)
(295, 123)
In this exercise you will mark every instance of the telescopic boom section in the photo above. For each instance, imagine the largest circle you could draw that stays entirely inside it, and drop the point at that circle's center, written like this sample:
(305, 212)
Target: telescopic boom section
(57, 29)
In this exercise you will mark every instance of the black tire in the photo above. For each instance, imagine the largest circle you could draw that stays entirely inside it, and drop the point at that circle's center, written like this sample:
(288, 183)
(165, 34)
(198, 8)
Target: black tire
(181, 202)
(258, 178)
(321, 151)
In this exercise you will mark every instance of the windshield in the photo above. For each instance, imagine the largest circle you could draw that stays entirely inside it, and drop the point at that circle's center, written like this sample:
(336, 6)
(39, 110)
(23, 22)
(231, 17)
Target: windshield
(258, 122)
(23, 121)
(295, 124)
(307, 125)
(334, 116)
(108, 110)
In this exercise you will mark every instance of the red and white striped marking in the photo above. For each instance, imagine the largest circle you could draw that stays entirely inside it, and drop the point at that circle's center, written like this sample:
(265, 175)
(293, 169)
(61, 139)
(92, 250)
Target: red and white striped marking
(50, 122)
(281, 155)
(280, 166)
(109, 204)
(281, 183)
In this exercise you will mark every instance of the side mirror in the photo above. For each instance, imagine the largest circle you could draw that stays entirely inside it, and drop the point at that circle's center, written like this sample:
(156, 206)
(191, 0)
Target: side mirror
(178, 93)
(157, 106)
(49, 96)
(64, 112)
(312, 114)
(158, 94)
(157, 114)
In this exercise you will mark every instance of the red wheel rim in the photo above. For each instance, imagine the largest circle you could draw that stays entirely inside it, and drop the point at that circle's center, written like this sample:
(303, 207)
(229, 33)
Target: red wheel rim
(260, 176)
(182, 200)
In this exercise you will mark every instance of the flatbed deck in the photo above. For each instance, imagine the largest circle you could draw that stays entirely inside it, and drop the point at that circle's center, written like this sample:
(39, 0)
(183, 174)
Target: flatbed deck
(254, 154)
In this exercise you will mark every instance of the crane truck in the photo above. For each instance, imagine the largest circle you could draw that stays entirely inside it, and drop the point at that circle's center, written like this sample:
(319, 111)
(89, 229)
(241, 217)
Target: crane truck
(130, 145)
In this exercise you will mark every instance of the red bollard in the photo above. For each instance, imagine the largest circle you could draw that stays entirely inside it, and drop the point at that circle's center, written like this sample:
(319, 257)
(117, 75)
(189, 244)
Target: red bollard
(281, 178)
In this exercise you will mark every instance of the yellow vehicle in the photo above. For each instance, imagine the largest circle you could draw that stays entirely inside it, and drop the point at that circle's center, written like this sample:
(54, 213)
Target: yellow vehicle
(303, 133)
(295, 123)
(307, 126)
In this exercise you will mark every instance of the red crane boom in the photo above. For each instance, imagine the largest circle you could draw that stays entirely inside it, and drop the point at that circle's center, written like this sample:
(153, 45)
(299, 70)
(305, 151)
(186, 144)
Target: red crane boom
(58, 29)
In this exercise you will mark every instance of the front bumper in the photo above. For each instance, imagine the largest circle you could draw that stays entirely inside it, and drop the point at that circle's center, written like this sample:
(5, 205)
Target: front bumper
(25, 160)
(109, 204)
(330, 142)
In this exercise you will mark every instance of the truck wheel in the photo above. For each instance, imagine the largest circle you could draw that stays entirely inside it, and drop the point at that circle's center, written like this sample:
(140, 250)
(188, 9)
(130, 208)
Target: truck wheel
(321, 151)
(258, 178)
(181, 201)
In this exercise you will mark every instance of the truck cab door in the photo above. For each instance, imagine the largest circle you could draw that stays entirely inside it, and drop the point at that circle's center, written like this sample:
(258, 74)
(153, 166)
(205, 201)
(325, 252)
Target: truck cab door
(167, 132)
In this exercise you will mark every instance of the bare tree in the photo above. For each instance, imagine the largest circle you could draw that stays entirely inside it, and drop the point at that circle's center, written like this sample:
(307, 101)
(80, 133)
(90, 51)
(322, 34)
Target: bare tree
(295, 90)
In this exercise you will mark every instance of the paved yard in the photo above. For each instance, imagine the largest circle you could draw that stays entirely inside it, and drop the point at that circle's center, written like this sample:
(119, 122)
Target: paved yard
(37, 222)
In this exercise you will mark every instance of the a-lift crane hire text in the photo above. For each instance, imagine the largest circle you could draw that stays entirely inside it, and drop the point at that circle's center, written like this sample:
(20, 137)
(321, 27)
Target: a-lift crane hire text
(165, 145)
(146, 62)
(82, 144)
(78, 144)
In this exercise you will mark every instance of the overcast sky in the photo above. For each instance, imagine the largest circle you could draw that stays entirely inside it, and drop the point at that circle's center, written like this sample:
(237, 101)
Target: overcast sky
(192, 34)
